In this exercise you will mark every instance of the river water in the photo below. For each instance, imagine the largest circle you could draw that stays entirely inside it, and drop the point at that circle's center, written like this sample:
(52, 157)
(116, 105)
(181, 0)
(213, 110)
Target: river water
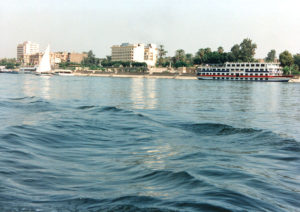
(130, 144)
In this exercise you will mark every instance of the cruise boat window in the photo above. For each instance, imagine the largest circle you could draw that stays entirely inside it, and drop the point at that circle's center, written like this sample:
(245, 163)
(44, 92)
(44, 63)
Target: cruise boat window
(237, 65)
(233, 65)
(257, 65)
(247, 65)
(261, 69)
(252, 65)
(263, 65)
(243, 65)
(247, 69)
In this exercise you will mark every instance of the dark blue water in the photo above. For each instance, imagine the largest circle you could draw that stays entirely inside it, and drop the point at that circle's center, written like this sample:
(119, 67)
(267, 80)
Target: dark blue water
(125, 144)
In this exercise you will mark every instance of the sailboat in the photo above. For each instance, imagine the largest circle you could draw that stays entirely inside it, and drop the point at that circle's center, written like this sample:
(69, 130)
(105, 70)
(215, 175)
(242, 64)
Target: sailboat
(44, 67)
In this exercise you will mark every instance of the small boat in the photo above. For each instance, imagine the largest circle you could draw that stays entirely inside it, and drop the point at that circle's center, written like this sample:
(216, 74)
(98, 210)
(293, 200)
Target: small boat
(8, 71)
(27, 70)
(64, 73)
(44, 68)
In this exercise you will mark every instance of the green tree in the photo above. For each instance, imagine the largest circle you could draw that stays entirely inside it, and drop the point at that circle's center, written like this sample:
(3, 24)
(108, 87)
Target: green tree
(91, 60)
(297, 60)
(161, 54)
(247, 50)
(235, 52)
(221, 50)
(200, 53)
(271, 56)
(286, 58)
(189, 59)
(180, 55)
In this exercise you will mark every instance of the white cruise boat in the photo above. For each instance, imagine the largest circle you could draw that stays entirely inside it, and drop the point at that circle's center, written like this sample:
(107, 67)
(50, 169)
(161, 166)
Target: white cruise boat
(270, 72)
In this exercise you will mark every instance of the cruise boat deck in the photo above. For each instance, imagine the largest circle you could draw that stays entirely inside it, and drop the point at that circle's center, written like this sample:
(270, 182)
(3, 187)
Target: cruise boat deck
(243, 72)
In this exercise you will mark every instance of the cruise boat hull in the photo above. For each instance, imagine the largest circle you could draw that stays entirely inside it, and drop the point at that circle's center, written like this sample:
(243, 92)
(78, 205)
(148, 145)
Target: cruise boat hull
(269, 79)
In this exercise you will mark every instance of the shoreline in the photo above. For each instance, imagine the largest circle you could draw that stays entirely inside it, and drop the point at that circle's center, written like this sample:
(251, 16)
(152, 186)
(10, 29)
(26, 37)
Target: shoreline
(147, 76)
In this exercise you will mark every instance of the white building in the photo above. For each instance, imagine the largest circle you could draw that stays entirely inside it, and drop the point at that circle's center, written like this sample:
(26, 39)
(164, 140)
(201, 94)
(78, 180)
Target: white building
(27, 48)
(135, 52)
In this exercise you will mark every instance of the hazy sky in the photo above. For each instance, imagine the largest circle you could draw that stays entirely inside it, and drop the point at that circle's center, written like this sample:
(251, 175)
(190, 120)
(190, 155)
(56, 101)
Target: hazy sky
(81, 25)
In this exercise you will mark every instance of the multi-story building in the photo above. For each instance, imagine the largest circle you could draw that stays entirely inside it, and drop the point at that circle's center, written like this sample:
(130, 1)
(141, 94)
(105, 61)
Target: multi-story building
(135, 53)
(55, 58)
(27, 48)
(150, 54)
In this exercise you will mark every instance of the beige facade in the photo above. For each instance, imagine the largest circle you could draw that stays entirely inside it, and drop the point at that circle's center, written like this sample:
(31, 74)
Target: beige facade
(76, 57)
(135, 52)
(55, 58)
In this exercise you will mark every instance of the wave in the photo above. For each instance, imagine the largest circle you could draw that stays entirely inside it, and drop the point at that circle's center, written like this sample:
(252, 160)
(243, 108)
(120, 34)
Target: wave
(99, 108)
(32, 104)
(175, 179)
(23, 98)
(216, 129)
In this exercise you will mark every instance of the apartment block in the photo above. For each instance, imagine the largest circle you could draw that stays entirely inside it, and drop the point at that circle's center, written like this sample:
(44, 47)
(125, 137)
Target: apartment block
(27, 48)
(135, 52)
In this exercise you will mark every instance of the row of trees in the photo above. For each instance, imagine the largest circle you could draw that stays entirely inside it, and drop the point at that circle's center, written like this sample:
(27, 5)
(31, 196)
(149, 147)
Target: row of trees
(9, 63)
(290, 63)
(243, 52)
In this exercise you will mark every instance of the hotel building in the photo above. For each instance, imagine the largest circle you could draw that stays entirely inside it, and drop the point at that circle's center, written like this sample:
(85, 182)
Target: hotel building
(135, 52)
(27, 48)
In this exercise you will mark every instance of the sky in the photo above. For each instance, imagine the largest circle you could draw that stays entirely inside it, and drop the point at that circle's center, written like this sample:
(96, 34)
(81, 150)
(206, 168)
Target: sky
(83, 25)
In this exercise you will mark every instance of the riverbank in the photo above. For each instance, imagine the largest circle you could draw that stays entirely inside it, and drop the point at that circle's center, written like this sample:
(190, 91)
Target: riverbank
(295, 79)
(135, 75)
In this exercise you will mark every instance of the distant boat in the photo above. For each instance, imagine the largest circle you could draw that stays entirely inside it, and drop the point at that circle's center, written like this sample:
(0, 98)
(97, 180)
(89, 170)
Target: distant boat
(7, 71)
(64, 73)
(27, 70)
(44, 67)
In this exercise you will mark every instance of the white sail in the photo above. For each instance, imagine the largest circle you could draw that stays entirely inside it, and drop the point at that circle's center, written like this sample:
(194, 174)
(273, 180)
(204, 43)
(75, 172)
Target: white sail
(44, 65)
